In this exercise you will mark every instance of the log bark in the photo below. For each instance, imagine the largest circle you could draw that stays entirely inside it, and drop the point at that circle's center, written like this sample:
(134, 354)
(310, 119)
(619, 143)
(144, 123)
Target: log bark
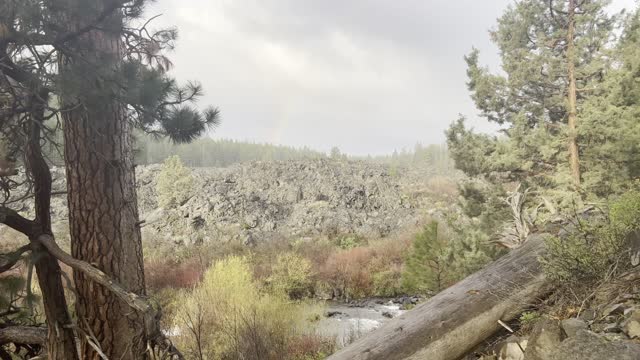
(456, 320)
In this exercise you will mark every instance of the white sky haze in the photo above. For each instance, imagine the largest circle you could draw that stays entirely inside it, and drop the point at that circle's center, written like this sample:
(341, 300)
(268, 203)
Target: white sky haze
(368, 76)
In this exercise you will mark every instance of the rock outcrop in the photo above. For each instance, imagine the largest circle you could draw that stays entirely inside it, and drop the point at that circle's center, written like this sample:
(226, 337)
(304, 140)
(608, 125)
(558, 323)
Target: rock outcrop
(303, 199)
(258, 201)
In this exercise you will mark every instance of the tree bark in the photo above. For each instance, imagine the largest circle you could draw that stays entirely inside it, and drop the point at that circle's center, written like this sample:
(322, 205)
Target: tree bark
(103, 211)
(456, 320)
(574, 157)
(61, 343)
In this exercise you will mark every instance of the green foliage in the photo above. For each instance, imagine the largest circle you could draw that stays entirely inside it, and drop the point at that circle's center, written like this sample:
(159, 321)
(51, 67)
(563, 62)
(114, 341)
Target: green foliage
(528, 318)
(227, 316)
(584, 256)
(471, 251)
(387, 283)
(625, 213)
(483, 201)
(347, 242)
(175, 183)
(292, 276)
(529, 101)
(427, 262)
(595, 248)
(11, 286)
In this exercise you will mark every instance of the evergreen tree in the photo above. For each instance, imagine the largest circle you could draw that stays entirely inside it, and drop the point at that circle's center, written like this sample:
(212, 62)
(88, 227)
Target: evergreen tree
(87, 63)
(611, 126)
(175, 183)
(426, 265)
(555, 58)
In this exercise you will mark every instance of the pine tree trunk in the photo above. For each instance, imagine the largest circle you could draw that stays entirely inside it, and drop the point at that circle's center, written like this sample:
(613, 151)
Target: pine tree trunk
(572, 97)
(61, 343)
(103, 211)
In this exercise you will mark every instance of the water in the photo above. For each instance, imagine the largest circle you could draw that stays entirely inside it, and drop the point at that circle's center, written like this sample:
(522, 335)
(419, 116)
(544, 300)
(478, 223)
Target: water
(349, 322)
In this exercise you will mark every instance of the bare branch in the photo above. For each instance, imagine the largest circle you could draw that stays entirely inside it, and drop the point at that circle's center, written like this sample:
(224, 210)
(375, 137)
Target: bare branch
(12, 219)
(135, 301)
(8, 261)
(23, 335)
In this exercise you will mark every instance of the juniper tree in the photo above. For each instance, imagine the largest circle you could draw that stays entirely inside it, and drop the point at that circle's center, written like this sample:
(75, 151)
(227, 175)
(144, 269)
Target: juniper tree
(611, 128)
(84, 66)
(556, 56)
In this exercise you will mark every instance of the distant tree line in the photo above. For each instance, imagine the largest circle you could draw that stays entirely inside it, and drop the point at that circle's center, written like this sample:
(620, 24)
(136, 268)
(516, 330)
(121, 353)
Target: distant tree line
(208, 152)
(434, 157)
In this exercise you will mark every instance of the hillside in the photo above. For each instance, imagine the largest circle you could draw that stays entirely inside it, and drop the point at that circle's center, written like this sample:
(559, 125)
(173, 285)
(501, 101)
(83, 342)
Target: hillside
(258, 201)
(307, 198)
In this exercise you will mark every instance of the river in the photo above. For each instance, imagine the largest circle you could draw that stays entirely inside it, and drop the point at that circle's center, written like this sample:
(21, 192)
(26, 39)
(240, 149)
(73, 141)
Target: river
(346, 322)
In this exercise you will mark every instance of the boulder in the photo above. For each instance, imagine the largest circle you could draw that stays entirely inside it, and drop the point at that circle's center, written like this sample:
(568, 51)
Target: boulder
(512, 348)
(572, 326)
(631, 326)
(545, 337)
(588, 315)
(586, 345)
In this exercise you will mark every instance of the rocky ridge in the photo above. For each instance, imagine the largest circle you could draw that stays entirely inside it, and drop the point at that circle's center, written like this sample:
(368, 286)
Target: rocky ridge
(258, 201)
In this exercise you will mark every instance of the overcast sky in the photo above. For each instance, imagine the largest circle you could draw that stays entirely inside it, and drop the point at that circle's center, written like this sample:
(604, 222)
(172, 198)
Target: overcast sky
(368, 76)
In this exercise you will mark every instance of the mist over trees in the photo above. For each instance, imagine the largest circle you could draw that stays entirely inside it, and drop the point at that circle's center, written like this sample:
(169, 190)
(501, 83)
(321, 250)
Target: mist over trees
(209, 152)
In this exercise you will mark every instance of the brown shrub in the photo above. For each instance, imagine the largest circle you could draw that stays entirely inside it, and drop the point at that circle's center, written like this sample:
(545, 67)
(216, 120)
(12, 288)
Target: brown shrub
(169, 273)
(310, 346)
(347, 274)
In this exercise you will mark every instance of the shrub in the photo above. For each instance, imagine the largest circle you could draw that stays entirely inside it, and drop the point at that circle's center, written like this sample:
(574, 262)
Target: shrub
(528, 319)
(597, 247)
(169, 273)
(372, 270)
(387, 283)
(175, 183)
(311, 347)
(291, 275)
(625, 214)
(346, 273)
(347, 242)
(228, 317)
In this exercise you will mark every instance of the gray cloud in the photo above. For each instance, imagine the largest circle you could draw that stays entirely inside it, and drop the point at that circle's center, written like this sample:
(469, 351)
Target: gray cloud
(368, 76)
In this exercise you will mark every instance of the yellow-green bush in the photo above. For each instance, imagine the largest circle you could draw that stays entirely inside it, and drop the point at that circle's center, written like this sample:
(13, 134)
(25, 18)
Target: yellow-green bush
(292, 276)
(387, 283)
(175, 183)
(228, 317)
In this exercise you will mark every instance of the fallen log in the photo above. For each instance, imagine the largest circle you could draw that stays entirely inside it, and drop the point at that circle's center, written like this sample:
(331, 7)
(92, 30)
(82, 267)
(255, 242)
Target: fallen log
(456, 320)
